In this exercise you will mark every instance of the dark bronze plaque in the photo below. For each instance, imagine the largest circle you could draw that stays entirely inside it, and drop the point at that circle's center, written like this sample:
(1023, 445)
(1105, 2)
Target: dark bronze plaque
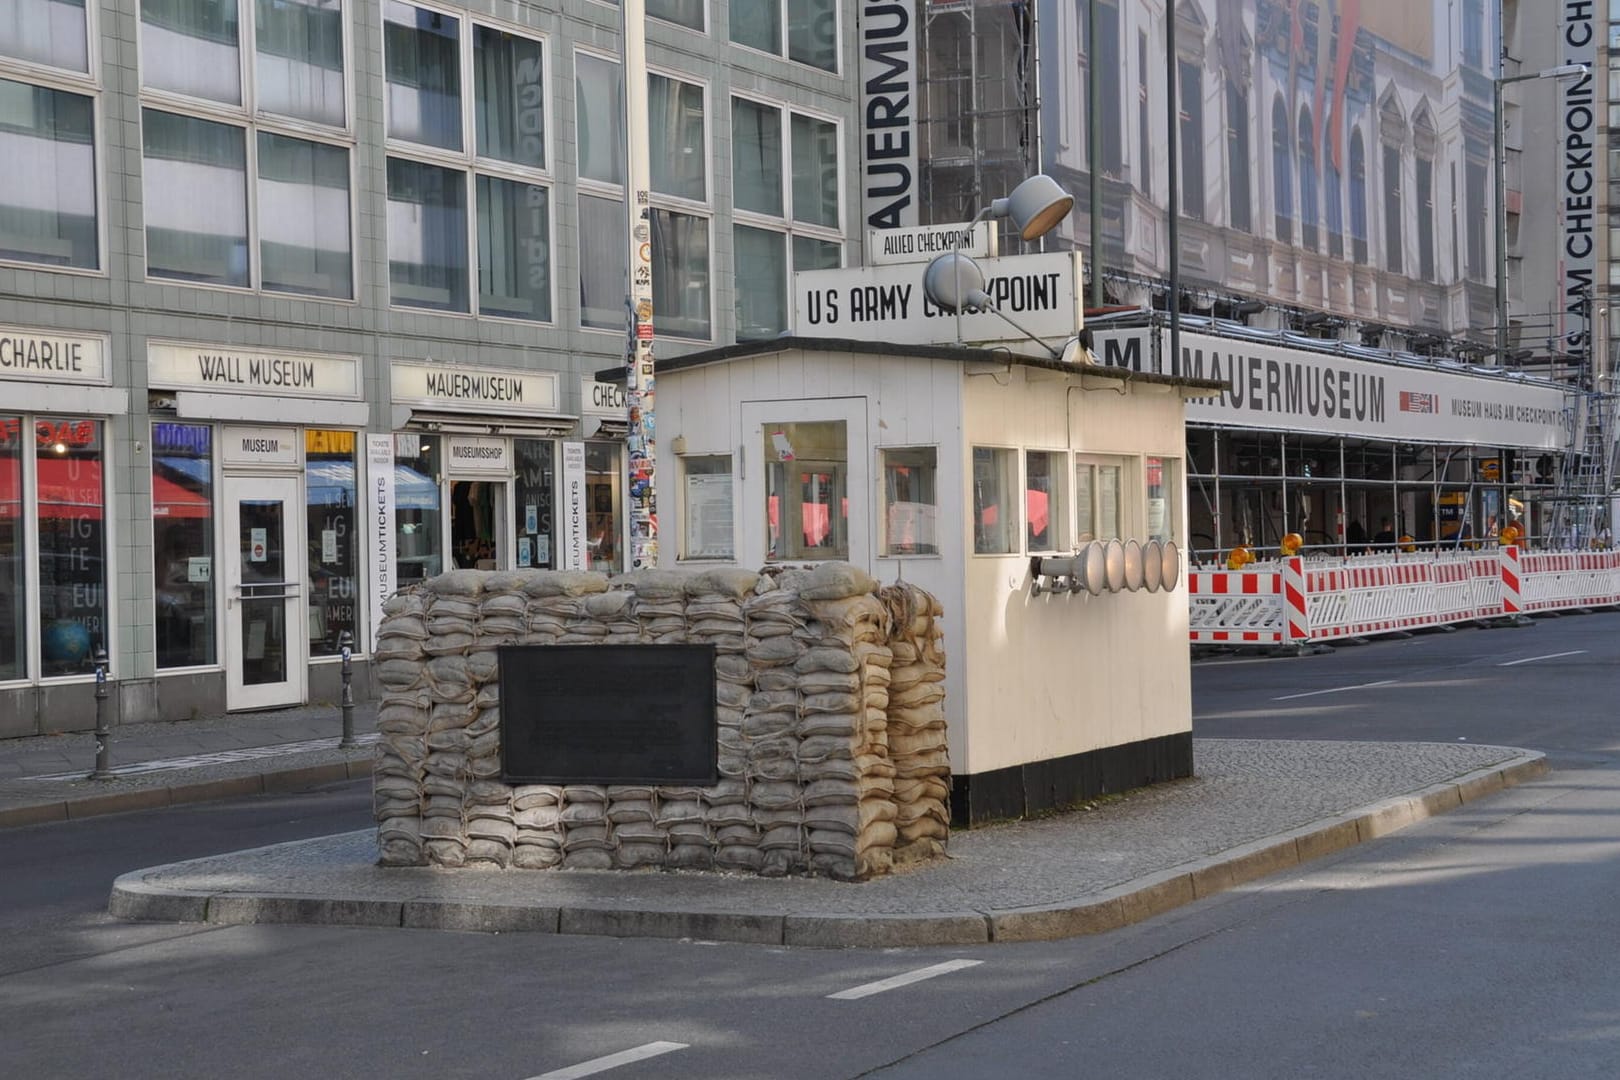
(608, 714)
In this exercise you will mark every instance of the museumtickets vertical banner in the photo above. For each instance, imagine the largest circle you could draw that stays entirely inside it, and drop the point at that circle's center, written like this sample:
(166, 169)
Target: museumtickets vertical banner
(380, 535)
(1578, 176)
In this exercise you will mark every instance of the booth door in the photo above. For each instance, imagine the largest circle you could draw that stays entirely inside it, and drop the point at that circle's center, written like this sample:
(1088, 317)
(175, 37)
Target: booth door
(266, 648)
(807, 492)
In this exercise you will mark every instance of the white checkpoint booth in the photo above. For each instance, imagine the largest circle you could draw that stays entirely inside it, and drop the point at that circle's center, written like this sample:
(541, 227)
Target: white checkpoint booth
(961, 470)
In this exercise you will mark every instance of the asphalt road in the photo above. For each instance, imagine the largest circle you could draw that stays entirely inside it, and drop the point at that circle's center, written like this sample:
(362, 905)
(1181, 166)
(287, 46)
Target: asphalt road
(1476, 944)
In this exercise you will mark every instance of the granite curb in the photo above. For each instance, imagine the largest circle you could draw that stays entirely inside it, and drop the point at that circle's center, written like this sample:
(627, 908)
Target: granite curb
(134, 897)
(137, 796)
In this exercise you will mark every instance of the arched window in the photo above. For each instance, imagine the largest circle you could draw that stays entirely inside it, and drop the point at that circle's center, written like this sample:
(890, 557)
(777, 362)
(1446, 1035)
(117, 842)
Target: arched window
(1190, 108)
(1237, 154)
(1394, 226)
(1333, 197)
(1358, 199)
(1282, 173)
(1426, 142)
(1307, 180)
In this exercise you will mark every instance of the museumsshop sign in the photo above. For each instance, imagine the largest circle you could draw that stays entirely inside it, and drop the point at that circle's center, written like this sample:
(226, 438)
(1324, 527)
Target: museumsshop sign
(1284, 389)
(1041, 293)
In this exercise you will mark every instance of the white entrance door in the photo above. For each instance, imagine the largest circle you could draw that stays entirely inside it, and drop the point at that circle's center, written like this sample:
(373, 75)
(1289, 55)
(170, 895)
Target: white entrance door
(266, 646)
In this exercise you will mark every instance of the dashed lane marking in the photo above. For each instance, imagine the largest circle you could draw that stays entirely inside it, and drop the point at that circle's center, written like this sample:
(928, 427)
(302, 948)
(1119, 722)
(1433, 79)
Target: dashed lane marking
(611, 1061)
(1334, 690)
(219, 757)
(896, 981)
(1549, 656)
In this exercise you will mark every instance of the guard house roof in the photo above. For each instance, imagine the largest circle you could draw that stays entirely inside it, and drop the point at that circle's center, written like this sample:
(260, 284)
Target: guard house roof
(967, 357)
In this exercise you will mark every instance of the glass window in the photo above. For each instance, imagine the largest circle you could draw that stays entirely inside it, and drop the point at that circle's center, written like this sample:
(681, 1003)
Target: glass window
(676, 144)
(756, 157)
(1098, 499)
(48, 200)
(45, 32)
(604, 504)
(427, 236)
(304, 217)
(599, 104)
(757, 24)
(910, 501)
(13, 601)
(710, 533)
(195, 183)
(514, 249)
(1162, 478)
(298, 59)
(510, 96)
(815, 171)
(72, 544)
(812, 254)
(995, 507)
(536, 517)
(1044, 507)
(761, 258)
(602, 258)
(806, 490)
(680, 254)
(190, 47)
(183, 543)
(813, 33)
(418, 512)
(334, 574)
(423, 61)
(687, 13)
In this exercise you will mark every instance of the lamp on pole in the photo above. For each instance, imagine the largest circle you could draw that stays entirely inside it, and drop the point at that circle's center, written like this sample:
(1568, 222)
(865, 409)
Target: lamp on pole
(1563, 71)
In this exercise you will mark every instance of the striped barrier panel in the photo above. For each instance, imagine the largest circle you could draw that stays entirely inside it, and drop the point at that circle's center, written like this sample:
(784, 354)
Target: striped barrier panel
(1512, 599)
(1358, 600)
(1467, 585)
(1559, 581)
(1242, 607)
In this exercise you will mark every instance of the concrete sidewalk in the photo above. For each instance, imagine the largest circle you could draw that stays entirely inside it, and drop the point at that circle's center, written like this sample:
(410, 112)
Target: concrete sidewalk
(1254, 808)
(45, 778)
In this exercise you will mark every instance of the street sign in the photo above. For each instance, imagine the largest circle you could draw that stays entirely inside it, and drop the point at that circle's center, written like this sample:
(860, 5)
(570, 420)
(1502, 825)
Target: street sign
(922, 243)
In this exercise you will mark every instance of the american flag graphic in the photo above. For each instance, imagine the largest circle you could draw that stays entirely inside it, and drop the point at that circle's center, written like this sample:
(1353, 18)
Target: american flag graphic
(1415, 402)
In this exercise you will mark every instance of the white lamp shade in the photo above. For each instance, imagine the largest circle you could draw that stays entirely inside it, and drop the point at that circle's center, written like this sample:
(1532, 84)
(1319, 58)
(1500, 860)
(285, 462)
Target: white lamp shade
(1171, 569)
(1037, 205)
(1114, 563)
(955, 281)
(1152, 566)
(1134, 574)
(1091, 569)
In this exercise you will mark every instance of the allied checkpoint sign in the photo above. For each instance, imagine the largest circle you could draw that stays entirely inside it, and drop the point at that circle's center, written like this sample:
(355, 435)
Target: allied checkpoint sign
(1279, 388)
(1042, 293)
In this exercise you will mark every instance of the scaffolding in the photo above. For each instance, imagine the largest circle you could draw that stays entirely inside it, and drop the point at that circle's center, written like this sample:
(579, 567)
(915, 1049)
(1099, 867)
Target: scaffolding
(979, 118)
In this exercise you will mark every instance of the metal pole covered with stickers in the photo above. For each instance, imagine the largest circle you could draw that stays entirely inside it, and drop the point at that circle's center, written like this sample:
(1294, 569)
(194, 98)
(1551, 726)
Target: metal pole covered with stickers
(640, 392)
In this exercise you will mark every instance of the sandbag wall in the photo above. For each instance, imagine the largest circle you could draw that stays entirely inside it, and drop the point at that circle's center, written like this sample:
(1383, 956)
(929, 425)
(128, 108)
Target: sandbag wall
(831, 741)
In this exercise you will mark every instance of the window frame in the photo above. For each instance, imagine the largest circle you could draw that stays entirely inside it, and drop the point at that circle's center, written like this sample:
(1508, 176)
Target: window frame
(683, 553)
(252, 120)
(1129, 467)
(86, 84)
(471, 164)
(883, 549)
(837, 70)
(216, 478)
(1060, 517)
(1014, 529)
(708, 17)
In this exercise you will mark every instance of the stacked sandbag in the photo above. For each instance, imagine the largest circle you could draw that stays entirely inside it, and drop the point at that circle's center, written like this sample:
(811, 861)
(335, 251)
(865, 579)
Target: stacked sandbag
(714, 616)
(660, 604)
(402, 719)
(775, 637)
(451, 609)
(554, 605)
(632, 814)
(842, 680)
(614, 612)
(537, 816)
(587, 843)
(916, 723)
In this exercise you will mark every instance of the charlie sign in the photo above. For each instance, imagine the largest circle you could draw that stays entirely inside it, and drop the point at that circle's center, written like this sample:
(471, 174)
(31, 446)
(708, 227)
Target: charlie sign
(1042, 293)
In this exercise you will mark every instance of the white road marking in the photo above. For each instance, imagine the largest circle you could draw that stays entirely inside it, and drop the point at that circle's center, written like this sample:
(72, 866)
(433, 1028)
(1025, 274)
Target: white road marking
(1335, 690)
(896, 981)
(611, 1061)
(220, 757)
(1549, 656)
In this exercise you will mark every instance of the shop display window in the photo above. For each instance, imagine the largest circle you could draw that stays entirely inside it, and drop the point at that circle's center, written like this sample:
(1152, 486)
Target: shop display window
(806, 490)
(183, 544)
(604, 507)
(331, 494)
(910, 500)
(1045, 508)
(995, 503)
(710, 531)
(13, 617)
(535, 494)
(418, 512)
(72, 543)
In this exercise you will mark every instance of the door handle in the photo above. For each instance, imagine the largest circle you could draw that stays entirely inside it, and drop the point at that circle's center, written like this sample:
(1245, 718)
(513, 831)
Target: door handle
(260, 590)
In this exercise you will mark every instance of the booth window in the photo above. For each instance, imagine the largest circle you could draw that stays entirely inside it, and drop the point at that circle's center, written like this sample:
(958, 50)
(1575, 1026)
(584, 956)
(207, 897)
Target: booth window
(72, 544)
(1045, 508)
(183, 543)
(995, 503)
(333, 570)
(1162, 478)
(806, 490)
(13, 608)
(418, 513)
(604, 501)
(536, 464)
(708, 511)
(1098, 498)
(910, 500)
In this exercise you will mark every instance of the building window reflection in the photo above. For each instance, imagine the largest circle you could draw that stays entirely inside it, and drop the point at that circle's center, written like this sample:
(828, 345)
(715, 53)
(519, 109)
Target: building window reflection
(72, 544)
(418, 514)
(183, 544)
(333, 571)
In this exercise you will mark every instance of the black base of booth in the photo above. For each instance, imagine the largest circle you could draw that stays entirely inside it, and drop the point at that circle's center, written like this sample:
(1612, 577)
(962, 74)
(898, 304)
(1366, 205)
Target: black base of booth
(1021, 790)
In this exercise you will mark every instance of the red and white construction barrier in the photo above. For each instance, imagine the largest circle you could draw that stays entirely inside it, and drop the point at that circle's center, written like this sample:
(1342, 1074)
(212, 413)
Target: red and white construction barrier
(1298, 600)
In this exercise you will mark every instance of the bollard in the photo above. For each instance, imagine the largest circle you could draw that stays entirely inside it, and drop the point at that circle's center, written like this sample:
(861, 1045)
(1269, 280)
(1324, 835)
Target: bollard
(346, 644)
(103, 730)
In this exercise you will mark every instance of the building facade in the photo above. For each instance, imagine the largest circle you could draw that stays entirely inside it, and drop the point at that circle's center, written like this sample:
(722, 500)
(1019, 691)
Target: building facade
(301, 300)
